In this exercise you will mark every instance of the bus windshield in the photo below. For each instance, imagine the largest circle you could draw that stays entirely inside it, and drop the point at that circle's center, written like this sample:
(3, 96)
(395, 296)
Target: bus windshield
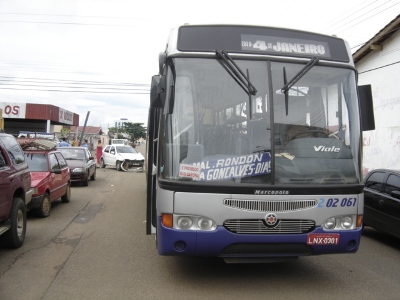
(216, 131)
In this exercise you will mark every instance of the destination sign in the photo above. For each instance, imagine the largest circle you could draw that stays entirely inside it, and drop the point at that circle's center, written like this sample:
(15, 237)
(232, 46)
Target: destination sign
(227, 168)
(273, 44)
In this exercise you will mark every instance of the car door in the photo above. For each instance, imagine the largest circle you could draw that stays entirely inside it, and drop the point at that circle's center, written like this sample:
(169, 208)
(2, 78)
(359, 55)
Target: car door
(390, 203)
(90, 162)
(56, 185)
(65, 175)
(4, 187)
(113, 155)
(106, 155)
(373, 214)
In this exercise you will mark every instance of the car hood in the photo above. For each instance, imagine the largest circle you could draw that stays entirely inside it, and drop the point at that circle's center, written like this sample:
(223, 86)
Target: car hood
(38, 177)
(131, 156)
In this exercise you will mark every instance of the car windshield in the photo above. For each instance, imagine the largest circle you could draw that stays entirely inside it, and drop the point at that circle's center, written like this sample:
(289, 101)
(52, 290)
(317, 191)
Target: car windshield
(37, 162)
(125, 149)
(73, 154)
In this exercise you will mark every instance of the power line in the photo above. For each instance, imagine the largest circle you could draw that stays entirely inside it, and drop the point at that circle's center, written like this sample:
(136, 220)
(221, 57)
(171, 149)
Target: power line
(77, 16)
(66, 81)
(363, 14)
(350, 14)
(46, 84)
(61, 85)
(369, 17)
(69, 23)
(73, 91)
(388, 65)
(60, 15)
(72, 87)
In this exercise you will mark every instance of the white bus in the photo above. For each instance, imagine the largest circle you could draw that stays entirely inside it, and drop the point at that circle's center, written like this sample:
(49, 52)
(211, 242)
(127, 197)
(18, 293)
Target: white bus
(254, 144)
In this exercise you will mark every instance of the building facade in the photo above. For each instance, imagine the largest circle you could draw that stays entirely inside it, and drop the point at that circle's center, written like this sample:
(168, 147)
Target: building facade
(378, 64)
(35, 117)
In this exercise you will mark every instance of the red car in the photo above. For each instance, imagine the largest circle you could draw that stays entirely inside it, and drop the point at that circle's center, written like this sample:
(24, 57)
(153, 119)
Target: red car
(50, 179)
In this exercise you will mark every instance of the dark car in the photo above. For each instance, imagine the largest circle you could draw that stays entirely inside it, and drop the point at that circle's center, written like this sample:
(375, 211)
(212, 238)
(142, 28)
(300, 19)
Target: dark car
(50, 179)
(81, 164)
(382, 200)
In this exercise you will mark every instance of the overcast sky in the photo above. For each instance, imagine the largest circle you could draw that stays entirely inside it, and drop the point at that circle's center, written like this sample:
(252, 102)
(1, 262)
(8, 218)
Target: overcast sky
(99, 55)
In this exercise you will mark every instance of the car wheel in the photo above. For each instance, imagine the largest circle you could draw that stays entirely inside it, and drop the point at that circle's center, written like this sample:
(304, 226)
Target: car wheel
(119, 166)
(67, 196)
(102, 164)
(15, 236)
(93, 177)
(44, 210)
(125, 165)
(86, 181)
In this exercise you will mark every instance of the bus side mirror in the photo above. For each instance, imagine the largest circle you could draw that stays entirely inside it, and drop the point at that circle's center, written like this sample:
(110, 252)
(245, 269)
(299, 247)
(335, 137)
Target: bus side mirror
(157, 91)
(366, 107)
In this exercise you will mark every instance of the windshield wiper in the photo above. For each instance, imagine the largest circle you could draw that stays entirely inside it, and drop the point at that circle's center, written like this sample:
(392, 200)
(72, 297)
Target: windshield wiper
(287, 85)
(237, 74)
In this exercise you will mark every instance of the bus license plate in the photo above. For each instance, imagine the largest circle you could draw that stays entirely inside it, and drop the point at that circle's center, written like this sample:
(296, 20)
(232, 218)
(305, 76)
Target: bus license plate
(323, 239)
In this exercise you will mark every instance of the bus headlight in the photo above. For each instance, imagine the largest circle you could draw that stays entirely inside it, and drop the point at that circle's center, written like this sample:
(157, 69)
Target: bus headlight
(340, 223)
(205, 224)
(191, 222)
(346, 222)
(185, 223)
(330, 223)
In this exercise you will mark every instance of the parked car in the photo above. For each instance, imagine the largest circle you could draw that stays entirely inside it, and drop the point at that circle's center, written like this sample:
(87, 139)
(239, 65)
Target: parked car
(123, 157)
(15, 192)
(50, 176)
(382, 200)
(81, 164)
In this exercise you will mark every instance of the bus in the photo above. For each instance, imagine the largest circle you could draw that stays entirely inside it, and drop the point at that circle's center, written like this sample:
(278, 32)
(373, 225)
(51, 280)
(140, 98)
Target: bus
(254, 146)
(39, 135)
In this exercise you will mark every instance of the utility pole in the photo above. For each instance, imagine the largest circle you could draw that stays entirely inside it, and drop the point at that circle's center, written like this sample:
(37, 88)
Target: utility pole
(84, 127)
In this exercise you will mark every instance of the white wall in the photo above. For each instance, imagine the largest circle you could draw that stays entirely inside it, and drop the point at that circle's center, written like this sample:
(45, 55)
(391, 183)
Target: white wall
(381, 69)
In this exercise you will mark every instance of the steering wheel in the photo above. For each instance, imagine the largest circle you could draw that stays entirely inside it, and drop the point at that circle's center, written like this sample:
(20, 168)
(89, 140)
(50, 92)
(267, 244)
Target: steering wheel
(314, 132)
(261, 149)
(298, 91)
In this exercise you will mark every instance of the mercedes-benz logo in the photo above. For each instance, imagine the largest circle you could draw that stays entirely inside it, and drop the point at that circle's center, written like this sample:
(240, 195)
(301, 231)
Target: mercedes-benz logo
(271, 219)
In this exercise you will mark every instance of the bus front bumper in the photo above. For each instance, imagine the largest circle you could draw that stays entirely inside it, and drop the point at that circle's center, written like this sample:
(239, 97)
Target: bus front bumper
(222, 243)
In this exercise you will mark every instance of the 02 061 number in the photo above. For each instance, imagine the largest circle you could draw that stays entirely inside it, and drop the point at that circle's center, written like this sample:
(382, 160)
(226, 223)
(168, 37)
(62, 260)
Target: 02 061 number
(336, 202)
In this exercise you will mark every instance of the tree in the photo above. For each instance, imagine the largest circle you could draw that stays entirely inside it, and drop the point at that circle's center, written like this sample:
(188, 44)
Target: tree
(136, 130)
(65, 131)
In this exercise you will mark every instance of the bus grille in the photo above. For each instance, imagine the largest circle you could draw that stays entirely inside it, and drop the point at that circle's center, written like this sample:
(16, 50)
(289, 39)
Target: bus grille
(270, 206)
(259, 227)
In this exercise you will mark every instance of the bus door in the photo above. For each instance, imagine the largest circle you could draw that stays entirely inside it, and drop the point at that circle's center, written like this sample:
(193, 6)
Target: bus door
(152, 157)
